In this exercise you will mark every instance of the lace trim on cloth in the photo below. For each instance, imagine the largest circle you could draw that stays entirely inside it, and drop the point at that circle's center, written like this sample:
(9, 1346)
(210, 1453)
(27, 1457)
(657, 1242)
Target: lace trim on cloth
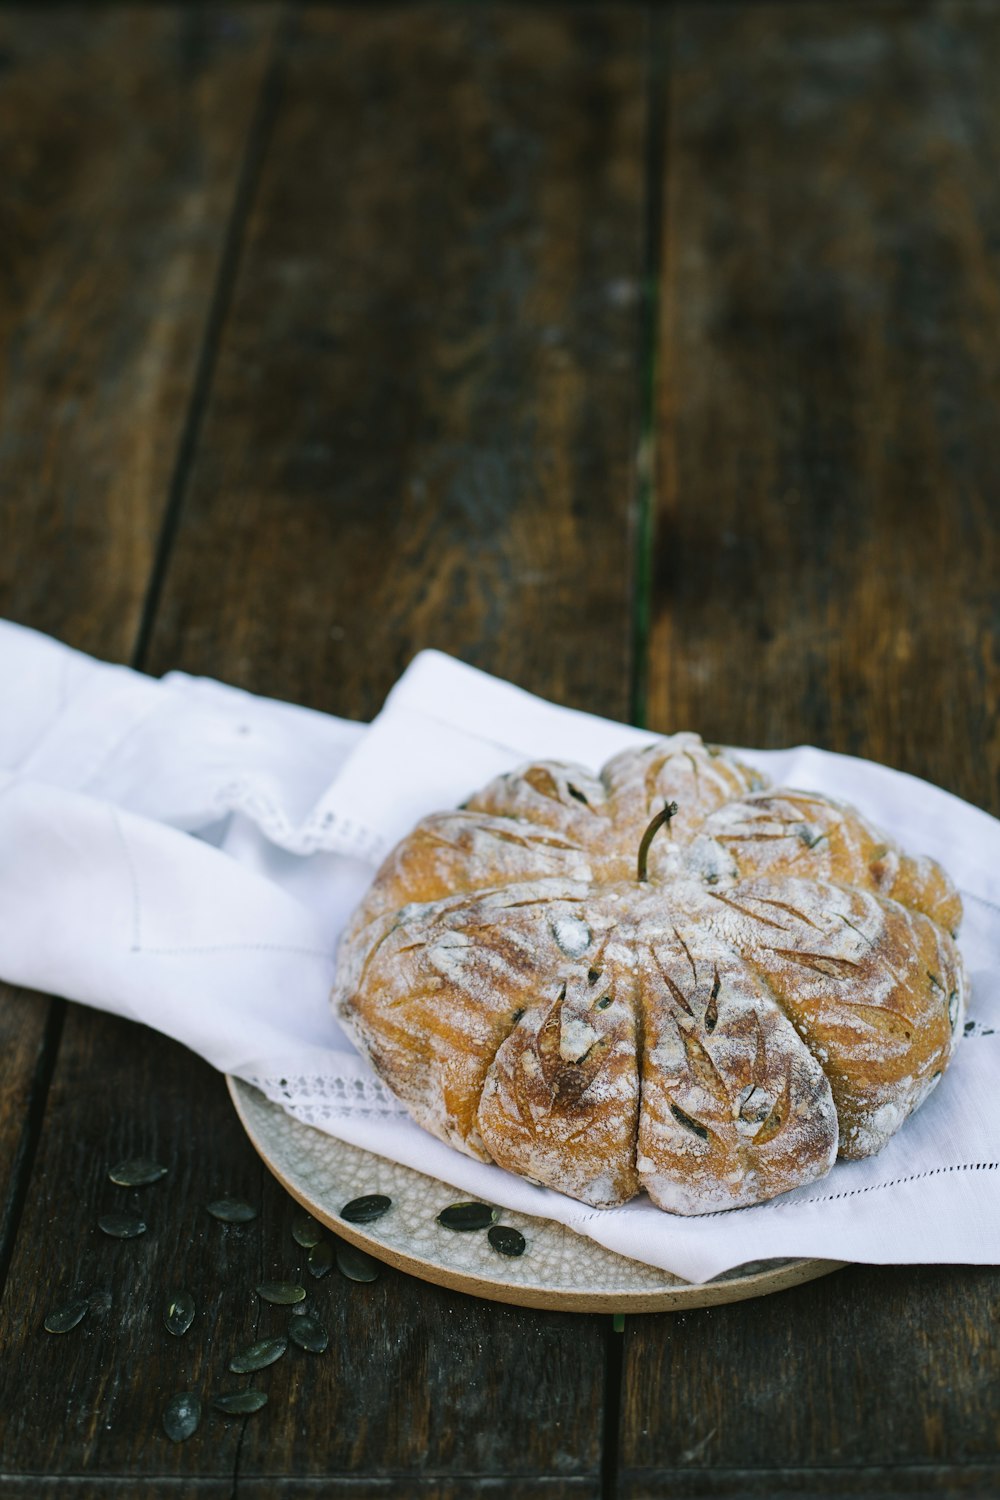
(316, 1097)
(322, 831)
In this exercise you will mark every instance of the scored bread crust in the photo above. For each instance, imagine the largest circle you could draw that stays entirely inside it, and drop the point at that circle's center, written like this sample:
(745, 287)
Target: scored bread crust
(781, 987)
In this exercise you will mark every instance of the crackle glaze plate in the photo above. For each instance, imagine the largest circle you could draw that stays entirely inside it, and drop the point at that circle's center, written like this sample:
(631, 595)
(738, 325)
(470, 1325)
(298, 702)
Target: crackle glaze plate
(559, 1269)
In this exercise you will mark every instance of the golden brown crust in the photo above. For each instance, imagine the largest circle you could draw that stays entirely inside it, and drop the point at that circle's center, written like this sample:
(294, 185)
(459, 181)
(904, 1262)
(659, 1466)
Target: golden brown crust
(561, 1100)
(783, 986)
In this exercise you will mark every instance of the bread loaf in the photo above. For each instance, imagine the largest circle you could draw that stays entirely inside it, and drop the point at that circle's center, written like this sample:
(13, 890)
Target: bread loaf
(667, 977)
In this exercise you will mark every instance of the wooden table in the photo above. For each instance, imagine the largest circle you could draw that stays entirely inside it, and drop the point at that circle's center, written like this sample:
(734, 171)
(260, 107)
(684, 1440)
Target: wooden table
(647, 356)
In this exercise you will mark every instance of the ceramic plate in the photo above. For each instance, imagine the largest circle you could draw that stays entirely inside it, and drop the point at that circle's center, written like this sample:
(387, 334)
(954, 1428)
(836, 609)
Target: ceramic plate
(559, 1269)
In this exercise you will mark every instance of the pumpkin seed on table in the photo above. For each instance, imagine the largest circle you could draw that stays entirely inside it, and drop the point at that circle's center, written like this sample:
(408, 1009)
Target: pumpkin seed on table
(258, 1356)
(181, 1416)
(309, 1334)
(122, 1226)
(136, 1172)
(178, 1312)
(320, 1259)
(284, 1293)
(240, 1403)
(367, 1209)
(231, 1211)
(306, 1231)
(64, 1318)
(506, 1240)
(356, 1265)
(467, 1216)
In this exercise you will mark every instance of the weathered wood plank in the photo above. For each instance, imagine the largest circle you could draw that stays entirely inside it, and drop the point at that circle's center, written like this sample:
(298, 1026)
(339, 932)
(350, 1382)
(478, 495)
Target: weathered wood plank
(122, 136)
(90, 1401)
(348, 1486)
(871, 1367)
(421, 431)
(814, 1483)
(26, 1058)
(825, 569)
(80, 1487)
(425, 418)
(827, 555)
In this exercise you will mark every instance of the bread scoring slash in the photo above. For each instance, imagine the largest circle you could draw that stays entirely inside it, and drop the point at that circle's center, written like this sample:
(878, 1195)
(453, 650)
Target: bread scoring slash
(667, 978)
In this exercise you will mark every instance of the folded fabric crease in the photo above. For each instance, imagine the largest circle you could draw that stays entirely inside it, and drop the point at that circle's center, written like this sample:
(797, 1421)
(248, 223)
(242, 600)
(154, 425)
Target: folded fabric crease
(185, 854)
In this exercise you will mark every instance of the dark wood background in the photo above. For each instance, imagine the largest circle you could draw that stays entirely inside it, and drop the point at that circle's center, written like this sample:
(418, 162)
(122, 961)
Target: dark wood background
(645, 355)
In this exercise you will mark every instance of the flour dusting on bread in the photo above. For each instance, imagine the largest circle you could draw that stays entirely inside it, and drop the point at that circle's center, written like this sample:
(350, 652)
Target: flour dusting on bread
(775, 985)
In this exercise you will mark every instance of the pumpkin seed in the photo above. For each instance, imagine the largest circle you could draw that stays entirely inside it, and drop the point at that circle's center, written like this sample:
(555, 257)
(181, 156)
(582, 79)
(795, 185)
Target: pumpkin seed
(355, 1264)
(695, 1126)
(258, 1356)
(367, 1209)
(136, 1172)
(284, 1293)
(68, 1316)
(231, 1211)
(319, 1262)
(309, 1334)
(505, 1240)
(181, 1416)
(121, 1226)
(466, 1216)
(306, 1231)
(240, 1403)
(178, 1312)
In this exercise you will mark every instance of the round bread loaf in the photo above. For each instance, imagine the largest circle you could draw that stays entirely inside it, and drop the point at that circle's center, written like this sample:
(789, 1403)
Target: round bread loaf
(666, 977)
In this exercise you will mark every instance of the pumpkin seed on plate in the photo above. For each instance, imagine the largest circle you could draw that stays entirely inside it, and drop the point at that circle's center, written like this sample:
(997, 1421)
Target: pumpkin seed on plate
(306, 1231)
(320, 1259)
(505, 1240)
(258, 1356)
(62, 1319)
(466, 1216)
(231, 1211)
(136, 1172)
(240, 1403)
(122, 1226)
(367, 1209)
(181, 1416)
(284, 1293)
(178, 1312)
(309, 1334)
(355, 1264)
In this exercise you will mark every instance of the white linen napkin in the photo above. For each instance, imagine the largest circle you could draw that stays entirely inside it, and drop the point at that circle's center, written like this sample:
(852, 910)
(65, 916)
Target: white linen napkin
(186, 854)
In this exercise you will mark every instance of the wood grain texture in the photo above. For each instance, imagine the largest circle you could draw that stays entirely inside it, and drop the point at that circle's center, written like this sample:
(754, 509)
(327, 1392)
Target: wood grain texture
(825, 569)
(423, 427)
(814, 1483)
(278, 1487)
(424, 1382)
(25, 1067)
(122, 134)
(89, 1402)
(446, 240)
(873, 1367)
(827, 551)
